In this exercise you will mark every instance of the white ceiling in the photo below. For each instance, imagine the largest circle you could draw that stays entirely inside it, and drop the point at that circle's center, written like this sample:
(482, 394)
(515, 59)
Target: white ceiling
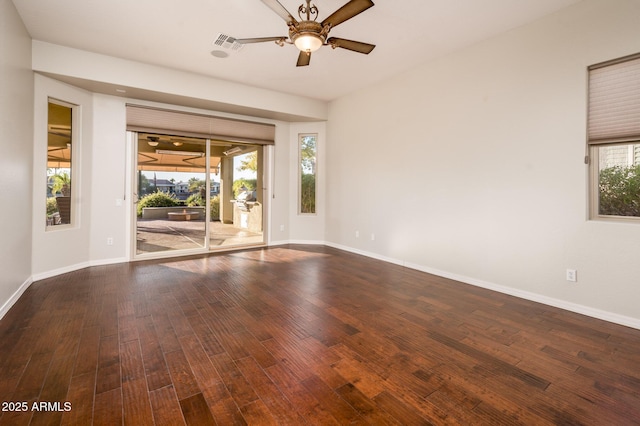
(179, 34)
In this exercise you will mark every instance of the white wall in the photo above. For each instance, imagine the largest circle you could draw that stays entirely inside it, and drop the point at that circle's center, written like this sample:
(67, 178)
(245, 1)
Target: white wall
(110, 194)
(16, 128)
(280, 198)
(471, 166)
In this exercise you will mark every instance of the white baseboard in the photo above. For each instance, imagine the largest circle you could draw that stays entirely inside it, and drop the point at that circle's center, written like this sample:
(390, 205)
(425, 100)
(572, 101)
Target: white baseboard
(114, 261)
(14, 297)
(278, 243)
(55, 272)
(366, 253)
(534, 297)
(77, 266)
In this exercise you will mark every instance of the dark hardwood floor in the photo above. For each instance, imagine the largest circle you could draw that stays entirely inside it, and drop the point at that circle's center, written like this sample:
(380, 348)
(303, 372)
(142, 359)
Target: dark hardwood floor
(304, 335)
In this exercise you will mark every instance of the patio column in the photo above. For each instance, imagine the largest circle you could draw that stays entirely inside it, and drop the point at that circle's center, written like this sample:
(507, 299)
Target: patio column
(226, 190)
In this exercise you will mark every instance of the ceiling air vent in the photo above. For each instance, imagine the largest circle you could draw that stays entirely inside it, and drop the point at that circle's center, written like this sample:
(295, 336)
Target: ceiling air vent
(227, 42)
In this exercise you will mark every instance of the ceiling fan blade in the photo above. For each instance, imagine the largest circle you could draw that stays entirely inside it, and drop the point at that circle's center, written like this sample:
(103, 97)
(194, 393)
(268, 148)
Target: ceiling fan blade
(280, 10)
(259, 39)
(355, 46)
(348, 11)
(303, 59)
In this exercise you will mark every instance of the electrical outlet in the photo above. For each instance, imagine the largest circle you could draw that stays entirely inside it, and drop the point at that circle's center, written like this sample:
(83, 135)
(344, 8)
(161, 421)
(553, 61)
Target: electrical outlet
(373, 237)
(109, 241)
(281, 228)
(572, 275)
(357, 234)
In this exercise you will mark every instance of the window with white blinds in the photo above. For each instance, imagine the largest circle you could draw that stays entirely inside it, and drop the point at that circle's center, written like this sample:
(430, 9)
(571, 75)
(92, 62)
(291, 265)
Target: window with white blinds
(614, 139)
(614, 101)
(177, 123)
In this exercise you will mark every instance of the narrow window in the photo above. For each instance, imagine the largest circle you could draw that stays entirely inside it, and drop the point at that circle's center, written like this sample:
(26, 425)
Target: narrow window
(614, 139)
(307, 154)
(59, 163)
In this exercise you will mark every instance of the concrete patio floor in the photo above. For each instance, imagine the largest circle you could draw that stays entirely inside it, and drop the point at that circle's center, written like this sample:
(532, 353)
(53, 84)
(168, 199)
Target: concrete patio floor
(163, 235)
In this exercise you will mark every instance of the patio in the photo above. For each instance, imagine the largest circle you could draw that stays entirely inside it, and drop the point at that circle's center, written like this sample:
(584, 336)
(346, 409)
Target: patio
(163, 235)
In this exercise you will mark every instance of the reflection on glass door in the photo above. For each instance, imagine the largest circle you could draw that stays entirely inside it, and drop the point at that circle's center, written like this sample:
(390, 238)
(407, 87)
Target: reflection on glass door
(171, 188)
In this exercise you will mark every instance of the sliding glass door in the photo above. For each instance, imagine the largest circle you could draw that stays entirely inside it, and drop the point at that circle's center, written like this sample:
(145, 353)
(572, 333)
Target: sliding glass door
(195, 195)
(171, 179)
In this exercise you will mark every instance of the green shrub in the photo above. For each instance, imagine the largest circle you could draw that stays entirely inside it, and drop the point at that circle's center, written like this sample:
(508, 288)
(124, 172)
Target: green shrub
(215, 208)
(157, 199)
(52, 206)
(61, 184)
(195, 200)
(620, 191)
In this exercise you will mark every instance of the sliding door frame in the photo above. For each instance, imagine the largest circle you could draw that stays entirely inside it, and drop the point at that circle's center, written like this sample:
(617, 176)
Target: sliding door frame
(132, 225)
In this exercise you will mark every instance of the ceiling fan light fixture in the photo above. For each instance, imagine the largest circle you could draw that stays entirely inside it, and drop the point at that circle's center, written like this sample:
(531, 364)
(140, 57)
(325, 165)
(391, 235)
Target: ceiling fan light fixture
(308, 42)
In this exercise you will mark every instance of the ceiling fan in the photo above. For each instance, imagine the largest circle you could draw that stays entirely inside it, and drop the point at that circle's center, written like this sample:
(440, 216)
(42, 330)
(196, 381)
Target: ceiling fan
(308, 35)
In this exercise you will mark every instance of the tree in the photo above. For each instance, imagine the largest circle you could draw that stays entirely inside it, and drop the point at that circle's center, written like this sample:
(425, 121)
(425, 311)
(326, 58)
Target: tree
(620, 191)
(249, 184)
(307, 193)
(308, 155)
(250, 162)
(144, 186)
(308, 174)
(196, 185)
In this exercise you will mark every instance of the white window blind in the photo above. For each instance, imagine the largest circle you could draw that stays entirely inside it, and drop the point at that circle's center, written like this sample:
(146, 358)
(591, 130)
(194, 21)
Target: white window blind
(614, 101)
(153, 120)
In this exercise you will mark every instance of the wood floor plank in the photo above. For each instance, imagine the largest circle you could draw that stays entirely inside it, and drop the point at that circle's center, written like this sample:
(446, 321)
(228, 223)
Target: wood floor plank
(257, 413)
(81, 398)
(165, 406)
(196, 411)
(107, 408)
(155, 366)
(108, 375)
(136, 404)
(279, 406)
(54, 391)
(202, 368)
(307, 405)
(399, 410)
(224, 409)
(88, 349)
(330, 401)
(365, 406)
(238, 386)
(182, 376)
(301, 334)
